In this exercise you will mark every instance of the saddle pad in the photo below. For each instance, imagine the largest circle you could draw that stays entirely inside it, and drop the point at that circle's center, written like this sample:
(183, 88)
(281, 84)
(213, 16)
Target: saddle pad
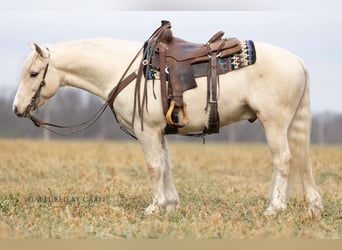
(246, 57)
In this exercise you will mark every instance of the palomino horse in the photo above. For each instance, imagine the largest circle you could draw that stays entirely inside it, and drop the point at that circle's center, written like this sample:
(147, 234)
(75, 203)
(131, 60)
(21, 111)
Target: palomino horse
(274, 90)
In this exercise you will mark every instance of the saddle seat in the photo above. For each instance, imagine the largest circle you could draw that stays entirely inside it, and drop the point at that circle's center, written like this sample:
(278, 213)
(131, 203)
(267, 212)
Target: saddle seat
(182, 50)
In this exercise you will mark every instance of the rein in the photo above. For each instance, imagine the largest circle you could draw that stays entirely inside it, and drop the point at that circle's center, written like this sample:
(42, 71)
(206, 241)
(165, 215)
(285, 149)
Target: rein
(84, 125)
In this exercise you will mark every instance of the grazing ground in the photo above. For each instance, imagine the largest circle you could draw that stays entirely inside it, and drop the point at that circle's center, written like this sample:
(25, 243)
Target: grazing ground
(83, 189)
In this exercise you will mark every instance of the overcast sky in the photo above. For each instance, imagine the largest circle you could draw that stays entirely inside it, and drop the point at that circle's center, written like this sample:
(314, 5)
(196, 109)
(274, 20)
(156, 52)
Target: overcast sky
(312, 29)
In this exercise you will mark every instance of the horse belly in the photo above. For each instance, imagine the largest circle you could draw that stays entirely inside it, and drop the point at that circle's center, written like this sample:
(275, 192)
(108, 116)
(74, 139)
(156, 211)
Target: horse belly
(232, 104)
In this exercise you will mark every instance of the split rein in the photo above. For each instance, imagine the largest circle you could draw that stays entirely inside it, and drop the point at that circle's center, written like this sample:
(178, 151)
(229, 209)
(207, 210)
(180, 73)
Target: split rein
(82, 126)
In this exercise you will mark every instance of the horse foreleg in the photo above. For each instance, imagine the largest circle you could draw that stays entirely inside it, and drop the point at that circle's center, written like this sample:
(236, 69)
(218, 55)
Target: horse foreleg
(158, 165)
(169, 187)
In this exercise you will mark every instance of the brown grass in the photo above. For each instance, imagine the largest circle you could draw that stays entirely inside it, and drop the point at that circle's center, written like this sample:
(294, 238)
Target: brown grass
(81, 189)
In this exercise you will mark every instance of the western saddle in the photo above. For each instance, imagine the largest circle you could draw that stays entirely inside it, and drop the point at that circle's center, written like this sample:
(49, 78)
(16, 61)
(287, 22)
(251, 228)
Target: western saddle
(177, 63)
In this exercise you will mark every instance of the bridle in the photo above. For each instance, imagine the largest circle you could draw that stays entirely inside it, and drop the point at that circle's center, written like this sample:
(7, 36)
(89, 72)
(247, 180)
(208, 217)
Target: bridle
(40, 123)
(35, 99)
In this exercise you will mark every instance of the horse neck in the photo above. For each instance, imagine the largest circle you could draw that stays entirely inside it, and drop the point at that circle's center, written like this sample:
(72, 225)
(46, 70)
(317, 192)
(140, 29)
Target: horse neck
(95, 66)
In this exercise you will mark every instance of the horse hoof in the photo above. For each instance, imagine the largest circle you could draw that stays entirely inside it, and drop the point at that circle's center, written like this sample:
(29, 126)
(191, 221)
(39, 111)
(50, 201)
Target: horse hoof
(315, 206)
(314, 211)
(172, 207)
(155, 208)
(272, 210)
(152, 209)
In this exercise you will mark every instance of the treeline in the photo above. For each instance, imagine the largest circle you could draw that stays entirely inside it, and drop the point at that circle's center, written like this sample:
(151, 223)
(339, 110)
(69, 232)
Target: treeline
(70, 107)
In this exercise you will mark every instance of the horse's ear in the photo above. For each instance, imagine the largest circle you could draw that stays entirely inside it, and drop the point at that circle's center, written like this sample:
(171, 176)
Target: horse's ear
(31, 46)
(42, 52)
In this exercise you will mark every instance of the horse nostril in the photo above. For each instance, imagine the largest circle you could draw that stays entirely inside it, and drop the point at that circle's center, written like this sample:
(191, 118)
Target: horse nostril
(16, 111)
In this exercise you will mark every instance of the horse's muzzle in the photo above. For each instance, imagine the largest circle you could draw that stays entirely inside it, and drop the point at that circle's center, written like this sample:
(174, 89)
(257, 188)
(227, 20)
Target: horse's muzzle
(16, 112)
(26, 113)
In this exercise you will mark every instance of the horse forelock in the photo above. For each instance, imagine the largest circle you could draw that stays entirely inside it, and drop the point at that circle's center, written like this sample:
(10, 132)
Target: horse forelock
(29, 61)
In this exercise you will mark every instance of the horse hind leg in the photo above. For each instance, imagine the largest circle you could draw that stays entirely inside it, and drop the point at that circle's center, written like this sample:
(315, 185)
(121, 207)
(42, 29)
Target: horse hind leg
(289, 143)
(280, 150)
(288, 135)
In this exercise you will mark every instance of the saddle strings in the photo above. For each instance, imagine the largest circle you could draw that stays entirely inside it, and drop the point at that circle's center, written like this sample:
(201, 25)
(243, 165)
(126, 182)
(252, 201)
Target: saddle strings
(150, 47)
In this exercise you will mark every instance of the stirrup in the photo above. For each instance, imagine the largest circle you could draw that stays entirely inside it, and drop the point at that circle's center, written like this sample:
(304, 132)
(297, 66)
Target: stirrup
(169, 116)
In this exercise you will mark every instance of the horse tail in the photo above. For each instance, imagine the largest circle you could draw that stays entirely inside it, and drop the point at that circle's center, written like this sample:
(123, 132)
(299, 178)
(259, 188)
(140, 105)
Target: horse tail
(299, 135)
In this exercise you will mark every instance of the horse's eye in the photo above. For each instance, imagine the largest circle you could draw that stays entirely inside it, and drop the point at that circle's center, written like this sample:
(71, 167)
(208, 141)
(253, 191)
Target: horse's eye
(34, 74)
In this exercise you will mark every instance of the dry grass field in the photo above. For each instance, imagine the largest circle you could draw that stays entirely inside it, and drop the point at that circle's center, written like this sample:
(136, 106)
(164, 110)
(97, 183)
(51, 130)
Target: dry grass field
(82, 189)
